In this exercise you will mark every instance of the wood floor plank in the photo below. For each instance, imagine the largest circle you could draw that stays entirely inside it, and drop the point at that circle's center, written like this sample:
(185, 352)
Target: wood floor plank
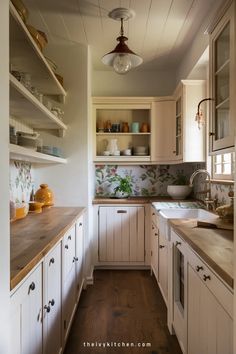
(121, 307)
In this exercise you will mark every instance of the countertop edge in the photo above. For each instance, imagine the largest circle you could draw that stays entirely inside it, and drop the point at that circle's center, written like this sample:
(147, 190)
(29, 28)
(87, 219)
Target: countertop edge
(208, 260)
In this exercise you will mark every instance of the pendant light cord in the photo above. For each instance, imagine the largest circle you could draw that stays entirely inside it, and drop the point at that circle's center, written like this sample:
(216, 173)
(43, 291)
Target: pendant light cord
(121, 27)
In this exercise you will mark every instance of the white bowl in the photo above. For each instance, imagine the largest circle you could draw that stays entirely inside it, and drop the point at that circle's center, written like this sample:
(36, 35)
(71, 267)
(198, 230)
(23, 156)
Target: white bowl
(179, 192)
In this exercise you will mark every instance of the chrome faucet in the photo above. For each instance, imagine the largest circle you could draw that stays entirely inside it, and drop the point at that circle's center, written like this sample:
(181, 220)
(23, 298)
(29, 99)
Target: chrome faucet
(208, 200)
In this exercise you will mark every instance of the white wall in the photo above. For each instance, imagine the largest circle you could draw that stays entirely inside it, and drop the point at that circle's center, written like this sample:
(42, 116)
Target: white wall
(134, 83)
(70, 182)
(4, 177)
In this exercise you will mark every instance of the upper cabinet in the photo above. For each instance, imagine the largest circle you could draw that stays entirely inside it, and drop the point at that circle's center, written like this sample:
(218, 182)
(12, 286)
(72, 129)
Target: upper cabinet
(34, 89)
(222, 64)
(189, 140)
(122, 129)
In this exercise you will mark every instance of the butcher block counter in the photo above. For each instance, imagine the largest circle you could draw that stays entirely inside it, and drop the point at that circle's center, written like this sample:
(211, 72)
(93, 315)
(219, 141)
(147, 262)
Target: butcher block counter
(214, 246)
(34, 236)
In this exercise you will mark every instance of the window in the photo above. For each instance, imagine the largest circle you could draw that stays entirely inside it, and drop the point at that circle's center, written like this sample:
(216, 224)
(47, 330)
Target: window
(223, 166)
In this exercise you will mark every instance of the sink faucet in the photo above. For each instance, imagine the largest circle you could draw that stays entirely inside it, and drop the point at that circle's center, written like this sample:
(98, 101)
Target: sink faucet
(208, 200)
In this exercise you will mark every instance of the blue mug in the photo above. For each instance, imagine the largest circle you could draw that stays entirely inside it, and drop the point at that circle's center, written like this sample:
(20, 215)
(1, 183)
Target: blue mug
(135, 127)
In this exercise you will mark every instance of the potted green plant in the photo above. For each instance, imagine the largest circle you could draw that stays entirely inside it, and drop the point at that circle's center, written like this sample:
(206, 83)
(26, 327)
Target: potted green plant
(180, 188)
(123, 187)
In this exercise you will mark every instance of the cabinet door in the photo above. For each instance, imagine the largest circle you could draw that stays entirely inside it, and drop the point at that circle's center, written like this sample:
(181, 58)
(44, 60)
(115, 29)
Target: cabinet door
(121, 234)
(26, 316)
(163, 266)
(52, 301)
(68, 280)
(210, 328)
(222, 62)
(79, 236)
(163, 125)
(154, 249)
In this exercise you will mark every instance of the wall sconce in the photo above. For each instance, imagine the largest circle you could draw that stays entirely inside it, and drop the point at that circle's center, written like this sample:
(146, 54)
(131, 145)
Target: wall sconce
(201, 120)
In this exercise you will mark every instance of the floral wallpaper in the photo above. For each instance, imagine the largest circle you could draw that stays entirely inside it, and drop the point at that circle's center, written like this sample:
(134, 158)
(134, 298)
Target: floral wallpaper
(153, 180)
(21, 181)
(148, 180)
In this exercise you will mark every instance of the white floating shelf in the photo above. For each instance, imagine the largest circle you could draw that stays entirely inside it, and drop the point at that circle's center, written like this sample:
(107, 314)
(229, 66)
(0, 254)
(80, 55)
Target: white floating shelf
(21, 153)
(128, 159)
(25, 55)
(121, 134)
(27, 108)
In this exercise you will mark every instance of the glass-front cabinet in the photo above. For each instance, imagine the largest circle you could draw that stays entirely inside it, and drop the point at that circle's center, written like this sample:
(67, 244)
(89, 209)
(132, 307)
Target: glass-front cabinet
(222, 83)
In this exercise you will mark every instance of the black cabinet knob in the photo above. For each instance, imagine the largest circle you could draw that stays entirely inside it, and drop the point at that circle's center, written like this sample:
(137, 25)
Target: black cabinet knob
(66, 247)
(161, 246)
(75, 259)
(198, 268)
(206, 277)
(80, 224)
(32, 286)
(177, 243)
(69, 237)
(47, 308)
(52, 261)
(52, 302)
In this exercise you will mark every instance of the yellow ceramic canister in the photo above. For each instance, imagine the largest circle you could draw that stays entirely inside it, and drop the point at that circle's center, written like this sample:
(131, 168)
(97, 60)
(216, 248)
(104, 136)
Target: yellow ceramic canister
(44, 195)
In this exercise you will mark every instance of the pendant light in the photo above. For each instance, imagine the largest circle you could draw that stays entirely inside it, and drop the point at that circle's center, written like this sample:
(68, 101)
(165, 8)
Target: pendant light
(122, 58)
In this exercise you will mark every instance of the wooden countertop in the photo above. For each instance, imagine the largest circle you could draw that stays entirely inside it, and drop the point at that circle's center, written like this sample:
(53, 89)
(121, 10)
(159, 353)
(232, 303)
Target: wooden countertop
(214, 246)
(33, 236)
(134, 200)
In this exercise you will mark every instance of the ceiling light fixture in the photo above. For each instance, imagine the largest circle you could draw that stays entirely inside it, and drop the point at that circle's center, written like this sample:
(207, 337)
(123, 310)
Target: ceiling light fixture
(199, 116)
(122, 58)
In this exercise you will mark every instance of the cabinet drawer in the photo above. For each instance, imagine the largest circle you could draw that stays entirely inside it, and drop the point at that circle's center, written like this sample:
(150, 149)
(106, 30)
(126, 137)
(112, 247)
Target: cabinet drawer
(214, 284)
(68, 251)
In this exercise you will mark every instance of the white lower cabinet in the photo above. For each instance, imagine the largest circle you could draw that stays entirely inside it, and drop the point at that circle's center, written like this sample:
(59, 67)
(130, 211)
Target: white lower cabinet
(26, 315)
(210, 323)
(121, 234)
(52, 301)
(79, 237)
(154, 249)
(68, 280)
(163, 266)
(42, 306)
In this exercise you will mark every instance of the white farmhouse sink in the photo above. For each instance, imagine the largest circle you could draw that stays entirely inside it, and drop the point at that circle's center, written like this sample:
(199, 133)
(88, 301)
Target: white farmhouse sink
(187, 214)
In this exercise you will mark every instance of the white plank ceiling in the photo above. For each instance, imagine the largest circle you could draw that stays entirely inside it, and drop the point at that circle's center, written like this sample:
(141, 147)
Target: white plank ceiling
(161, 31)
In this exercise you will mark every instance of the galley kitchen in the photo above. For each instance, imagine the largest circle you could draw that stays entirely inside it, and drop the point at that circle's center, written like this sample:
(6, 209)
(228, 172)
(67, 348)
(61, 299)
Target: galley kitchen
(117, 160)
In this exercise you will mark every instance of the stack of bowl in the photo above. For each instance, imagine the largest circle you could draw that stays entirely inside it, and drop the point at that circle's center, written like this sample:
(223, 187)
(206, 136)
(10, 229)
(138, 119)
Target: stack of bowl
(140, 151)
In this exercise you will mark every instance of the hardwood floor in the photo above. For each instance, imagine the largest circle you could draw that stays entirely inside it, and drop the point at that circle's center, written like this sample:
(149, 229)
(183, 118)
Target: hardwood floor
(122, 307)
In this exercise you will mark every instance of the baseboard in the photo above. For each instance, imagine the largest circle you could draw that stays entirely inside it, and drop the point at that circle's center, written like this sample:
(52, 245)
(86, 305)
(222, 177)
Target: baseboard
(124, 267)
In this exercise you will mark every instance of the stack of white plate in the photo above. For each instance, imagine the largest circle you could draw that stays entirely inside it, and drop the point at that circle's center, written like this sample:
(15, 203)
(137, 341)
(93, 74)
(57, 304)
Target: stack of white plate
(140, 151)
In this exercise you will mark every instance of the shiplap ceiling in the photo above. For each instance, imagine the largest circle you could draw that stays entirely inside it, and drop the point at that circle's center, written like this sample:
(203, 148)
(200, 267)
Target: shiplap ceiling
(161, 31)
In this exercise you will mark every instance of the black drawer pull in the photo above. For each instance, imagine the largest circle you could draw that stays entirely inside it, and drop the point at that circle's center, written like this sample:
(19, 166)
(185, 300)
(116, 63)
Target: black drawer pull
(66, 247)
(52, 261)
(52, 302)
(75, 259)
(31, 287)
(161, 246)
(122, 211)
(198, 268)
(69, 237)
(47, 308)
(205, 277)
(153, 214)
(177, 243)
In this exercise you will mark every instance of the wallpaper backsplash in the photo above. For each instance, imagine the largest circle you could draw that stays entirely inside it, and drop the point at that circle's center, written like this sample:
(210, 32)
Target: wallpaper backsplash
(153, 180)
(146, 180)
(21, 181)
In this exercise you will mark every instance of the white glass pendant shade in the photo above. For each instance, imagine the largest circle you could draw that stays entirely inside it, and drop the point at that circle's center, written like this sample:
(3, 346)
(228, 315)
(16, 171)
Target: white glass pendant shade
(122, 63)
